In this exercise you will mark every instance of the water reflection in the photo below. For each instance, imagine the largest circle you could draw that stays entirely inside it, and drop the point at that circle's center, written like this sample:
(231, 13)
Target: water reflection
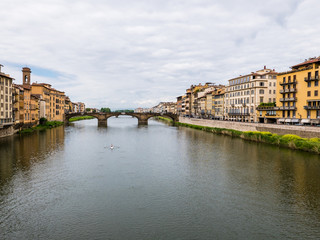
(19, 152)
(162, 182)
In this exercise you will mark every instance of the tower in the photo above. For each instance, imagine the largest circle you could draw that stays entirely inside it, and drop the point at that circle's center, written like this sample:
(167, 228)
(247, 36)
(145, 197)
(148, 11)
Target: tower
(26, 74)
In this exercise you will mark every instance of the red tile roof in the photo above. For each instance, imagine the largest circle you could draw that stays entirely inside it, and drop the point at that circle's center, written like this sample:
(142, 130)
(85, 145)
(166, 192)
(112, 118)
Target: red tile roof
(309, 61)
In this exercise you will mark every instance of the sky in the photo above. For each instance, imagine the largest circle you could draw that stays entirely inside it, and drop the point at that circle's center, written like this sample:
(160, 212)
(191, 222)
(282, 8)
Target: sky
(125, 54)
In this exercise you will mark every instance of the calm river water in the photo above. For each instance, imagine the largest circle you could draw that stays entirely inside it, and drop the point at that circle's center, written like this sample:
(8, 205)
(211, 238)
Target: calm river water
(159, 182)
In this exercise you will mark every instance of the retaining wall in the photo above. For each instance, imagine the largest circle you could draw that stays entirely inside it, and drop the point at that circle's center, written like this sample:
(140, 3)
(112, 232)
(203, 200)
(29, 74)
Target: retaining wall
(302, 131)
(6, 131)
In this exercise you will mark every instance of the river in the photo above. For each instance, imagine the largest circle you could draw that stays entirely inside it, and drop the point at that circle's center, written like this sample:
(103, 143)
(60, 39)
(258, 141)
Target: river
(159, 182)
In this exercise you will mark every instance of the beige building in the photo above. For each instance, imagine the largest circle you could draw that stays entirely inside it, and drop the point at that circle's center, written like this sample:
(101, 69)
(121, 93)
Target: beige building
(245, 93)
(218, 104)
(6, 115)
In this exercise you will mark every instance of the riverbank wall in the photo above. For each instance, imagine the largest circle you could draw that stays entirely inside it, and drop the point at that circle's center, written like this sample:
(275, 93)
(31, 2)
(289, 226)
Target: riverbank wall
(6, 131)
(302, 131)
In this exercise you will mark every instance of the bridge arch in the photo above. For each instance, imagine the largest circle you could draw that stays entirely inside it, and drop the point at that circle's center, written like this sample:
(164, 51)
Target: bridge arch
(103, 117)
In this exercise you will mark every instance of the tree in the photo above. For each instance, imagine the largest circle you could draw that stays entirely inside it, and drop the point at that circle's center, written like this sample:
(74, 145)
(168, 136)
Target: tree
(105, 110)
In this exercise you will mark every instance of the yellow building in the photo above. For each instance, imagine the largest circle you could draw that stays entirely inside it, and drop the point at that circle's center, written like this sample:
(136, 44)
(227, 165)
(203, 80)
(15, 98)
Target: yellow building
(18, 104)
(298, 100)
(54, 101)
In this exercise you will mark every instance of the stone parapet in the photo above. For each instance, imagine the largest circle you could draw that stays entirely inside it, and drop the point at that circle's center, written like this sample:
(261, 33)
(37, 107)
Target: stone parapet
(302, 131)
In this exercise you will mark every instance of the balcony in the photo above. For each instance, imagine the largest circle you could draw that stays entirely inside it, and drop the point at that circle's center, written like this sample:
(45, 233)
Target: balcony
(271, 114)
(312, 107)
(239, 114)
(267, 108)
(292, 99)
(288, 108)
(290, 90)
(288, 83)
(311, 78)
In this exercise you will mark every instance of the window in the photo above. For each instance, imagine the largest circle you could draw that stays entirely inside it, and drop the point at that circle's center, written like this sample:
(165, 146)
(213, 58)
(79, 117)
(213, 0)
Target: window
(284, 79)
(294, 78)
(269, 91)
(261, 99)
(309, 84)
(261, 91)
(316, 93)
(274, 91)
(261, 84)
(309, 93)
(316, 83)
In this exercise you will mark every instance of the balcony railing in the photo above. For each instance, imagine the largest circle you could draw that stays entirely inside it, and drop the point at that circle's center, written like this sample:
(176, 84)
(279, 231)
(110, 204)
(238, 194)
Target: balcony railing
(292, 99)
(288, 90)
(311, 78)
(264, 108)
(288, 108)
(239, 114)
(312, 107)
(288, 83)
(271, 114)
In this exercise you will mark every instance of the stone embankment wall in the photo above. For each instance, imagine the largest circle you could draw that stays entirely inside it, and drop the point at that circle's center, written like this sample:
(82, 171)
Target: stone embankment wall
(6, 131)
(302, 131)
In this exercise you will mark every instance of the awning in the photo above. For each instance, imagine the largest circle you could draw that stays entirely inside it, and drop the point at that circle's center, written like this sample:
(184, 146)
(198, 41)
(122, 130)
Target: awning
(281, 120)
(305, 121)
(295, 120)
(288, 121)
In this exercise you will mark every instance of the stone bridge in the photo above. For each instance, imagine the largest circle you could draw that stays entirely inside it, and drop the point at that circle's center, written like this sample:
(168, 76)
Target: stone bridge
(103, 117)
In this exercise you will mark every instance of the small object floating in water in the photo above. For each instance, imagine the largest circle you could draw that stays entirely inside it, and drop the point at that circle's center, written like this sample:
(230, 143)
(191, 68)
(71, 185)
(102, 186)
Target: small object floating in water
(111, 147)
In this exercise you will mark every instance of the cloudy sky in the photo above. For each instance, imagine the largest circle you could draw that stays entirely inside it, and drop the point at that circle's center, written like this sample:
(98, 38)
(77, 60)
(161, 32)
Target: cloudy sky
(128, 54)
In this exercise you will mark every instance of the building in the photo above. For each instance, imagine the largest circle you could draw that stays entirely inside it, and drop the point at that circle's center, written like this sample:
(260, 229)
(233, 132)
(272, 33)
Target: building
(245, 93)
(218, 104)
(18, 104)
(298, 100)
(53, 101)
(6, 115)
(82, 107)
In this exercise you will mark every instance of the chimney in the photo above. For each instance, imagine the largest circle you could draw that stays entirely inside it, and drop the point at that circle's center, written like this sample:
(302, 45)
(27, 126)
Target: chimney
(265, 67)
(26, 75)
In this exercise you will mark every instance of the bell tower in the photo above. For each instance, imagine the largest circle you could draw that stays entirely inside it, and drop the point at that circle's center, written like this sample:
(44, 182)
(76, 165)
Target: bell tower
(26, 74)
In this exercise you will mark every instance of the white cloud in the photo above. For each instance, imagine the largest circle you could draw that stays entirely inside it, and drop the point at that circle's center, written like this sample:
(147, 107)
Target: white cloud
(123, 53)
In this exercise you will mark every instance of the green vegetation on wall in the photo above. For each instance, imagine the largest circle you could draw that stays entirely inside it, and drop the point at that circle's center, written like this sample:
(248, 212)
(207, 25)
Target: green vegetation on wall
(288, 140)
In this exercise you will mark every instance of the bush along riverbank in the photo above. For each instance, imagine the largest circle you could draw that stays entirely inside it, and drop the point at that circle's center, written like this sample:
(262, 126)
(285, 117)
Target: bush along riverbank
(289, 140)
(80, 118)
(42, 126)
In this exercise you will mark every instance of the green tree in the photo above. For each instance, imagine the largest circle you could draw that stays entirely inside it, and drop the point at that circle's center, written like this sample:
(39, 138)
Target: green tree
(105, 110)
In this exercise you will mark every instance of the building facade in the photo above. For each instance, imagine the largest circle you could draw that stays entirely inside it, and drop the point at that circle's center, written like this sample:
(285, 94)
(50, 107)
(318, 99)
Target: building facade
(245, 93)
(298, 100)
(6, 114)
